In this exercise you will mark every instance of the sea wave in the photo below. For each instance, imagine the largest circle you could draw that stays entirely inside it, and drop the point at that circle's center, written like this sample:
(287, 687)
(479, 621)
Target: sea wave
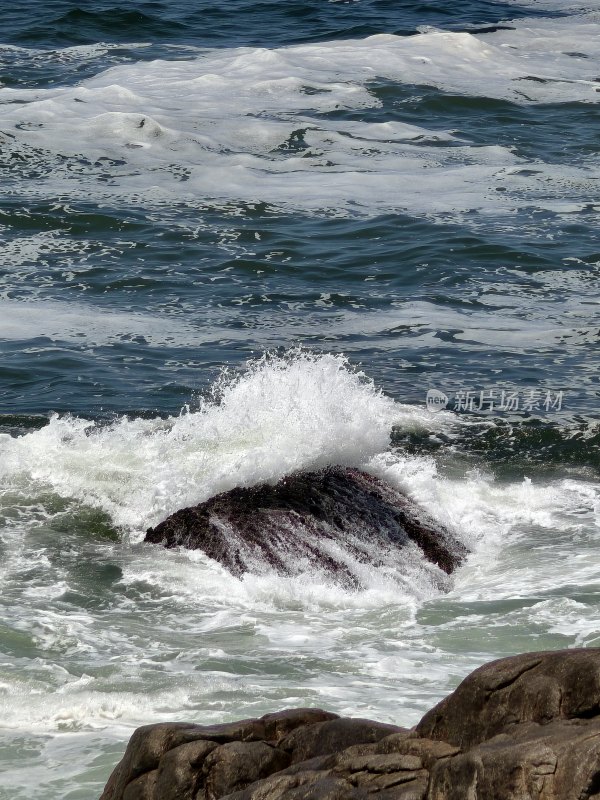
(297, 412)
(267, 125)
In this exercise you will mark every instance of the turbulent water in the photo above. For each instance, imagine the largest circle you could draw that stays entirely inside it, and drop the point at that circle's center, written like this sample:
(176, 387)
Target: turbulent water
(245, 239)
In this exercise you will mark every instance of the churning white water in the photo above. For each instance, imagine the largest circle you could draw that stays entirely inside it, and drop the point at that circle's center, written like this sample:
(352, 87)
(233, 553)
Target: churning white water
(108, 633)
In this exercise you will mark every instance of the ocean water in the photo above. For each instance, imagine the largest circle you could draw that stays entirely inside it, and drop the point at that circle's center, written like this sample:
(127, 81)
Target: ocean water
(244, 239)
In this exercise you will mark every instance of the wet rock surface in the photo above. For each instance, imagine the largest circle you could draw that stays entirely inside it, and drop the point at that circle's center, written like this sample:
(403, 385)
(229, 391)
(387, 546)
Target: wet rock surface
(336, 521)
(522, 728)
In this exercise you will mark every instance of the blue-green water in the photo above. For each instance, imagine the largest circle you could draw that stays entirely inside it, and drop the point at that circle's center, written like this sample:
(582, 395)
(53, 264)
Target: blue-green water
(184, 187)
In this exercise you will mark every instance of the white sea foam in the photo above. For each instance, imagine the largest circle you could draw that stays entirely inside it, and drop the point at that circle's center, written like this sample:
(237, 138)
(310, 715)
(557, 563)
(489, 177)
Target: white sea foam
(72, 323)
(256, 125)
(177, 637)
(296, 412)
(557, 5)
(285, 414)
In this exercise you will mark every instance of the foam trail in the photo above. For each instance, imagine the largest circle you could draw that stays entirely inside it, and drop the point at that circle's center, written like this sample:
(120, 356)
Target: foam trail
(257, 125)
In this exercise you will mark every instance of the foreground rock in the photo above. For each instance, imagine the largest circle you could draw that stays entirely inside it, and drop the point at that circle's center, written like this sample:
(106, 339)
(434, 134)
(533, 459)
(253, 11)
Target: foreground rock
(335, 521)
(522, 728)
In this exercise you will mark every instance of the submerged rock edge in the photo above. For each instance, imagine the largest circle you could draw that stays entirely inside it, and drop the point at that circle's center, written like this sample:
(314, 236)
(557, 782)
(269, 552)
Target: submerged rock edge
(525, 727)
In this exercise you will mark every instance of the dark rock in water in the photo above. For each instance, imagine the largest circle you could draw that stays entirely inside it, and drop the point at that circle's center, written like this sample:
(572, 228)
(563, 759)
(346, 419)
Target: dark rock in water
(523, 728)
(333, 520)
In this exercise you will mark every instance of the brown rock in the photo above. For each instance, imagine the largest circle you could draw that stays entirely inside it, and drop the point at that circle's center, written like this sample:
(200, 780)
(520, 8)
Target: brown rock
(534, 687)
(234, 766)
(377, 763)
(557, 761)
(180, 770)
(429, 751)
(352, 773)
(304, 785)
(144, 751)
(142, 788)
(376, 773)
(334, 735)
(276, 726)
(149, 745)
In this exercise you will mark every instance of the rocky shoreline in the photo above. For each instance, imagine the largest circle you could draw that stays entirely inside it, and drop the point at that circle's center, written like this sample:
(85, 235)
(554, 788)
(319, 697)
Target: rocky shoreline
(521, 728)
